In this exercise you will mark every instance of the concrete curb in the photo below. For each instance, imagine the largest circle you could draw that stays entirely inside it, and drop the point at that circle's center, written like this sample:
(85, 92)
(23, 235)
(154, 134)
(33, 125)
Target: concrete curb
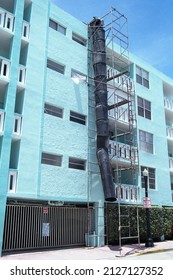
(153, 251)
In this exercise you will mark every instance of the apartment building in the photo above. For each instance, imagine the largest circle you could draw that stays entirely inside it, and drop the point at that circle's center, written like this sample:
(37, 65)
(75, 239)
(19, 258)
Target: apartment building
(53, 186)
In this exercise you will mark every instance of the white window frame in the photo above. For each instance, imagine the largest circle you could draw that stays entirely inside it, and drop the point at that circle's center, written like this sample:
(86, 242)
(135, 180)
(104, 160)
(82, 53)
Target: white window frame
(142, 77)
(22, 74)
(25, 30)
(1, 121)
(144, 143)
(51, 159)
(9, 19)
(18, 121)
(143, 111)
(151, 178)
(58, 27)
(55, 66)
(13, 175)
(4, 68)
(2, 17)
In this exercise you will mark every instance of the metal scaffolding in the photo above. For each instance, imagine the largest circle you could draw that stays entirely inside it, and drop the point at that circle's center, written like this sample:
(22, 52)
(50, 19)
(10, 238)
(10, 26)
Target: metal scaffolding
(123, 149)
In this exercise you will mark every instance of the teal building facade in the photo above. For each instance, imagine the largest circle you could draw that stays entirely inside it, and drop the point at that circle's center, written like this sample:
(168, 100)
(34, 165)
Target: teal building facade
(51, 191)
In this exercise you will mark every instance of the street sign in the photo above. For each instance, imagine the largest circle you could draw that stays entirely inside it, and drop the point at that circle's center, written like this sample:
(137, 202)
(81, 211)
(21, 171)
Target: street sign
(147, 202)
(45, 210)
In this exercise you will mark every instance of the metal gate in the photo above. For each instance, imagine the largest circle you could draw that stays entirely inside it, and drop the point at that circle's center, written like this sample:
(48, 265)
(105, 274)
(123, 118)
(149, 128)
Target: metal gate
(32, 227)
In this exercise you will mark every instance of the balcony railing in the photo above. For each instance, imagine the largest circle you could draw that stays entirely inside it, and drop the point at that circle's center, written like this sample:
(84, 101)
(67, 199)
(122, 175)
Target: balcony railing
(123, 151)
(122, 115)
(123, 82)
(4, 68)
(171, 163)
(22, 75)
(6, 20)
(168, 103)
(2, 114)
(25, 30)
(169, 132)
(17, 125)
(127, 193)
(12, 181)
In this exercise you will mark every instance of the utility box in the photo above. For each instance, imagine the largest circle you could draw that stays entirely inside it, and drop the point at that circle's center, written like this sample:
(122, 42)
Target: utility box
(90, 239)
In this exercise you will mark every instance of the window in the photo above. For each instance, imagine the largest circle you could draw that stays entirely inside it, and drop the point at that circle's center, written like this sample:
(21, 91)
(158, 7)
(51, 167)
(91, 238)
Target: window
(53, 110)
(151, 177)
(146, 141)
(56, 26)
(142, 77)
(77, 38)
(144, 108)
(78, 77)
(78, 118)
(12, 181)
(76, 163)
(55, 66)
(51, 159)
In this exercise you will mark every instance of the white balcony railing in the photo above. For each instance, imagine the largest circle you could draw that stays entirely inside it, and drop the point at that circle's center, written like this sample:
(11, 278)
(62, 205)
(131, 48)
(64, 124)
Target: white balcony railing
(171, 163)
(17, 125)
(12, 181)
(25, 30)
(22, 75)
(2, 120)
(122, 81)
(123, 151)
(168, 103)
(122, 114)
(4, 68)
(169, 132)
(127, 193)
(6, 20)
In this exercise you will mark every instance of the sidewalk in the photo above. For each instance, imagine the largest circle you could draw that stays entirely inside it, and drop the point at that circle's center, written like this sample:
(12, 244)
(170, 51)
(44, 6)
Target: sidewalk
(87, 253)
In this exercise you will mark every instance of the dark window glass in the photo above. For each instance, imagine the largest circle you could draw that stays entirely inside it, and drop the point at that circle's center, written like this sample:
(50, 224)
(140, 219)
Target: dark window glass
(142, 77)
(76, 163)
(146, 141)
(56, 26)
(77, 38)
(144, 108)
(78, 118)
(151, 177)
(51, 159)
(53, 110)
(55, 66)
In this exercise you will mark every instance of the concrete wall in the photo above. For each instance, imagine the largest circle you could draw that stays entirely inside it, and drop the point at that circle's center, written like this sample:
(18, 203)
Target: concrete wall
(157, 126)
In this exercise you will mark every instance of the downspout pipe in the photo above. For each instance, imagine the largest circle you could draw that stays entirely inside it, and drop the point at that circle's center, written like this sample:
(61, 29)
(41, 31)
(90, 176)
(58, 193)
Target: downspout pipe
(101, 107)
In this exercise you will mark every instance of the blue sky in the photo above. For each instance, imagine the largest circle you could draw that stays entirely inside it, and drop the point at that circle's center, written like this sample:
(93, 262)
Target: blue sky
(150, 25)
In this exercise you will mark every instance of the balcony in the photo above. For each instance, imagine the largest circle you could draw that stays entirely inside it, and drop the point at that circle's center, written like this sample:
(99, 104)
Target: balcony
(127, 193)
(123, 152)
(2, 117)
(17, 125)
(6, 21)
(171, 164)
(168, 103)
(22, 76)
(122, 115)
(169, 133)
(12, 181)
(4, 70)
(120, 81)
(25, 32)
